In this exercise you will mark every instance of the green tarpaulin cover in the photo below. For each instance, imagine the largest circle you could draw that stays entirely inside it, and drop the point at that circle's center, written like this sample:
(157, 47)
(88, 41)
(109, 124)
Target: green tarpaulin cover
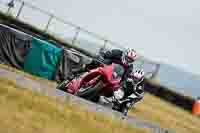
(42, 59)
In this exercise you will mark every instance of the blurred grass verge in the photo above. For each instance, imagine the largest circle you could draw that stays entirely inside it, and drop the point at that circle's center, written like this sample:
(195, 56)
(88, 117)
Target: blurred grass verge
(153, 109)
(25, 111)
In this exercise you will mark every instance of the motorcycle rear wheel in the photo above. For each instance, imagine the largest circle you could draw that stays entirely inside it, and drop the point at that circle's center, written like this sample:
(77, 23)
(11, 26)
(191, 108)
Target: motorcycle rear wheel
(62, 85)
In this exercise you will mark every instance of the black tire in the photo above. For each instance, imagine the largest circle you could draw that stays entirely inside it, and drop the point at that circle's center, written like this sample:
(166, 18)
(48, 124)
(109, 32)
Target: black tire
(90, 92)
(124, 111)
(120, 108)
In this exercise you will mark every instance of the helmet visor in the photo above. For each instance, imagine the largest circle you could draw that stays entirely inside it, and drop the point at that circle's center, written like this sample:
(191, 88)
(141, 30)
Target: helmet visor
(129, 59)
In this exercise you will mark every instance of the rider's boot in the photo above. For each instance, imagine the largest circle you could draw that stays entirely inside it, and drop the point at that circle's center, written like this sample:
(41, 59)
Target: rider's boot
(105, 100)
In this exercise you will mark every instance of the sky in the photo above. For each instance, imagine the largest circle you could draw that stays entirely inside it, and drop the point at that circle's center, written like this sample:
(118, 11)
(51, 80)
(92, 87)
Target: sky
(166, 31)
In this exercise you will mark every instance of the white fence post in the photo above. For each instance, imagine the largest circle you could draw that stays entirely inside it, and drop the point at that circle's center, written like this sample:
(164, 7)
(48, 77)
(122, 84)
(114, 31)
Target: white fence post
(76, 35)
(49, 21)
(20, 10)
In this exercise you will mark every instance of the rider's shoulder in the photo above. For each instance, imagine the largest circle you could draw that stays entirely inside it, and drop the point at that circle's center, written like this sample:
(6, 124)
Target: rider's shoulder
(119, 51)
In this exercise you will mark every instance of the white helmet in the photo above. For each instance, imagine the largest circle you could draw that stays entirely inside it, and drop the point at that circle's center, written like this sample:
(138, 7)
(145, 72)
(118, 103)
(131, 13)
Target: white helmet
(137, 75)
(129, 56)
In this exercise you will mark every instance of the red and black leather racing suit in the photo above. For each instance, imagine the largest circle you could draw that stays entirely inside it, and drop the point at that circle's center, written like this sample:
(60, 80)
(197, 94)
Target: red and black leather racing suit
(109, 57)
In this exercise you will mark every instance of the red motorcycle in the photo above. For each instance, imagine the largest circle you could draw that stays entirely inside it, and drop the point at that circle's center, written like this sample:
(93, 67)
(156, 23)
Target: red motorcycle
(102, 81)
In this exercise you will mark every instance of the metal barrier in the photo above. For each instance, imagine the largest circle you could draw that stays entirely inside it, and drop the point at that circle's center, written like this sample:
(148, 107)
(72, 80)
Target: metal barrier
(69, 32)
(17, 9)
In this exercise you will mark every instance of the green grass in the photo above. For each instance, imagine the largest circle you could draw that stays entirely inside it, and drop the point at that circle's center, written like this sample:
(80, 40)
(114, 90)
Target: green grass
(24, 111)
(154, 109)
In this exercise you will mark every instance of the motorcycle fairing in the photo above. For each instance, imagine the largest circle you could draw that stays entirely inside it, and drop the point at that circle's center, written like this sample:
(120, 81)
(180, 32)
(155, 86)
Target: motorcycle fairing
(90, 78)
